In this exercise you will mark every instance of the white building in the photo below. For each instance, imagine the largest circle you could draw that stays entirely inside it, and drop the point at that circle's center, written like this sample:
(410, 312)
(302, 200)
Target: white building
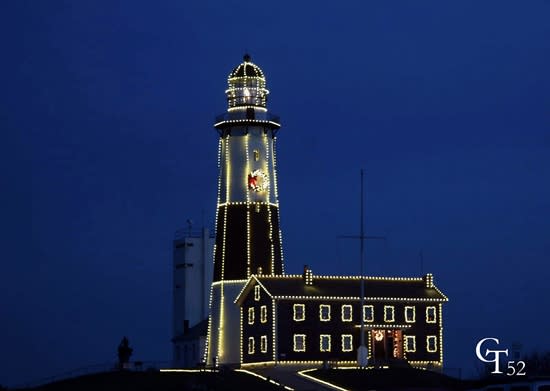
(192, 278)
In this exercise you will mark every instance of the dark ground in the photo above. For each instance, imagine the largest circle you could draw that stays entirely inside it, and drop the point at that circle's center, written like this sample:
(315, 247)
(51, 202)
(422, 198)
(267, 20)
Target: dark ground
(352, 379)
(159, 381)
(390, 379)
(406, 379)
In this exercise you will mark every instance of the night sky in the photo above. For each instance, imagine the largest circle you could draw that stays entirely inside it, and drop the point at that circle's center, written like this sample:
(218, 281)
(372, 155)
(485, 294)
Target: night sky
(106, 114)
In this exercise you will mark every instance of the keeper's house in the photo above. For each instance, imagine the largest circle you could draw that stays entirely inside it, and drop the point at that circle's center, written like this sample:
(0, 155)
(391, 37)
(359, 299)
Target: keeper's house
(311, 319)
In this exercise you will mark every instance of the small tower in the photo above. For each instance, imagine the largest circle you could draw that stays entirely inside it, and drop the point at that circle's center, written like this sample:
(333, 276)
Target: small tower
(248, 237)
(192, 278)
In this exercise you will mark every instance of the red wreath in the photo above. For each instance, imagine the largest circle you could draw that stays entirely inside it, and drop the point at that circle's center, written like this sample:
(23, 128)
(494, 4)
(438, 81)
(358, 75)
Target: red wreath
(253, 181)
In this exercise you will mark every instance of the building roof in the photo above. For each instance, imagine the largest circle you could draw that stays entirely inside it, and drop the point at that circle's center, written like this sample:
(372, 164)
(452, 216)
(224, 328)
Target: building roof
(347, 287)
(247, 69)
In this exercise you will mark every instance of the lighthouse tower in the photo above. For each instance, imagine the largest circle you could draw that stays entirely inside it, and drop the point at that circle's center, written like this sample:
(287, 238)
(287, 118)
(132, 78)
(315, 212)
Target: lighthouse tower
(248, 237)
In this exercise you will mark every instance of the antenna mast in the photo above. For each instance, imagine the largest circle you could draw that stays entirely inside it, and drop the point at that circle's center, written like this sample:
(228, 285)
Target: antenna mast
(362, 351)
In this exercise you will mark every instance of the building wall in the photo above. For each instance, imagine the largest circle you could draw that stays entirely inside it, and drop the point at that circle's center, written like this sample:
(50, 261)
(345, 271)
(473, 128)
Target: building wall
(223, 343)
(421, 329)
(192, 278)
(257, 329)
(312, 327)
(189, 353)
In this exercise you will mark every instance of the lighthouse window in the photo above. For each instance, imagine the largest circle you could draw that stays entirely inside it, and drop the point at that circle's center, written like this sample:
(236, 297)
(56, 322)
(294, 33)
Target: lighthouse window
(251, 315)
(256, 155)
(430, 315)
(431, 342)
(299, 312)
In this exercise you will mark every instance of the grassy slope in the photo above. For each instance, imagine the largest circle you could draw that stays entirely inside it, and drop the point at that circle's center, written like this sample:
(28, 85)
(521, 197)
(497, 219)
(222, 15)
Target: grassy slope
(156, 381)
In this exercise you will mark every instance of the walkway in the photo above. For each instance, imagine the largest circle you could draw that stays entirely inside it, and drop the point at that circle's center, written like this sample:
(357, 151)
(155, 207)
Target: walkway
(288, 376)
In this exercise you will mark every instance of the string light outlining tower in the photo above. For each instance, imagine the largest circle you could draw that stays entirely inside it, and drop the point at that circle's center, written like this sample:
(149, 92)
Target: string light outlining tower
(248, 235)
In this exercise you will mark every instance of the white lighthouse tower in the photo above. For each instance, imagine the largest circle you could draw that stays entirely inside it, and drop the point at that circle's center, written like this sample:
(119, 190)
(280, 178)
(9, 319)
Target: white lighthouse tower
(248, 235)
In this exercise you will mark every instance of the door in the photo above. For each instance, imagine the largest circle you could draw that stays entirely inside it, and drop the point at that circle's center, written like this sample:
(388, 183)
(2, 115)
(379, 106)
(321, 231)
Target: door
(387, 344)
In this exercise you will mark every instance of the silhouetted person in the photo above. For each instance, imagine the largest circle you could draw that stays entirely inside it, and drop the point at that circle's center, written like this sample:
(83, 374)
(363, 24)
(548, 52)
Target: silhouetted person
(124, 352)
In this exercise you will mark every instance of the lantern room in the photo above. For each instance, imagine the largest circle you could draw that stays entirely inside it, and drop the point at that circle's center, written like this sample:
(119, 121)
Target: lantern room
(246, 85)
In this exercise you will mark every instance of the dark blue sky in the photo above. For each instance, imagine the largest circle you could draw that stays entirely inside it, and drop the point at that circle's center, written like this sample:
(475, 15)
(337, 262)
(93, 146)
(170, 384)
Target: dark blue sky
(106, 112)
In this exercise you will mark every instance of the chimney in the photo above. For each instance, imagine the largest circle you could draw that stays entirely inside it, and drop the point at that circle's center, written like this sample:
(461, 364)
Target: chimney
(307, 276)
(429, 280)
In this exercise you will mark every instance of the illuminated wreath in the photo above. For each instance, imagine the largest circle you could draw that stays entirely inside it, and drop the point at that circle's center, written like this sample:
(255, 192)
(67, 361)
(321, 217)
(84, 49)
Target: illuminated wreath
(379, 335)
(258, 181)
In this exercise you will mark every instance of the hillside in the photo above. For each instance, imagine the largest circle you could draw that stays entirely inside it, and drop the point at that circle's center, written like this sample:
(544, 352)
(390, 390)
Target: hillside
(159, 381)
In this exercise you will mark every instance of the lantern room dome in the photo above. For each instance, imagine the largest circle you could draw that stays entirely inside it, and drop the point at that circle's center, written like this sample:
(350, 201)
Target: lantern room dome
(246, 85)
(247, 69)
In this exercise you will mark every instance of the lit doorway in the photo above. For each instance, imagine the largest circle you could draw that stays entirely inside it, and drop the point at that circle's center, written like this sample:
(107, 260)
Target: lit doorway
(387, 344)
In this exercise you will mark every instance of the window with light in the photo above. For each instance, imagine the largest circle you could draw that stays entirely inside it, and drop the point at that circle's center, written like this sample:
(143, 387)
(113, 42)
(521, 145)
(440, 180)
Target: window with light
(263, 343)
(299, 312)
(251, 315)
(389, 313)
(410, 343)
(410, 314)
(257, 293)
(325, 343)
(250, 345)
(347, 343)
(347, 313)
(299, 342)
(430, 315)
(368, 313)
(263, 314)
(431, 342)
(324, 312)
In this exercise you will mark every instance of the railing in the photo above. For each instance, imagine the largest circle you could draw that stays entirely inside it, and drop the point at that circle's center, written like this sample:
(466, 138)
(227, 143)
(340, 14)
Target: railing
(259, 116)
(194, 233)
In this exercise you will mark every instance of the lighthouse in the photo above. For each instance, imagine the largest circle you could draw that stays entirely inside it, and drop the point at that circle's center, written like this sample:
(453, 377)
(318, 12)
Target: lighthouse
(248, 235)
